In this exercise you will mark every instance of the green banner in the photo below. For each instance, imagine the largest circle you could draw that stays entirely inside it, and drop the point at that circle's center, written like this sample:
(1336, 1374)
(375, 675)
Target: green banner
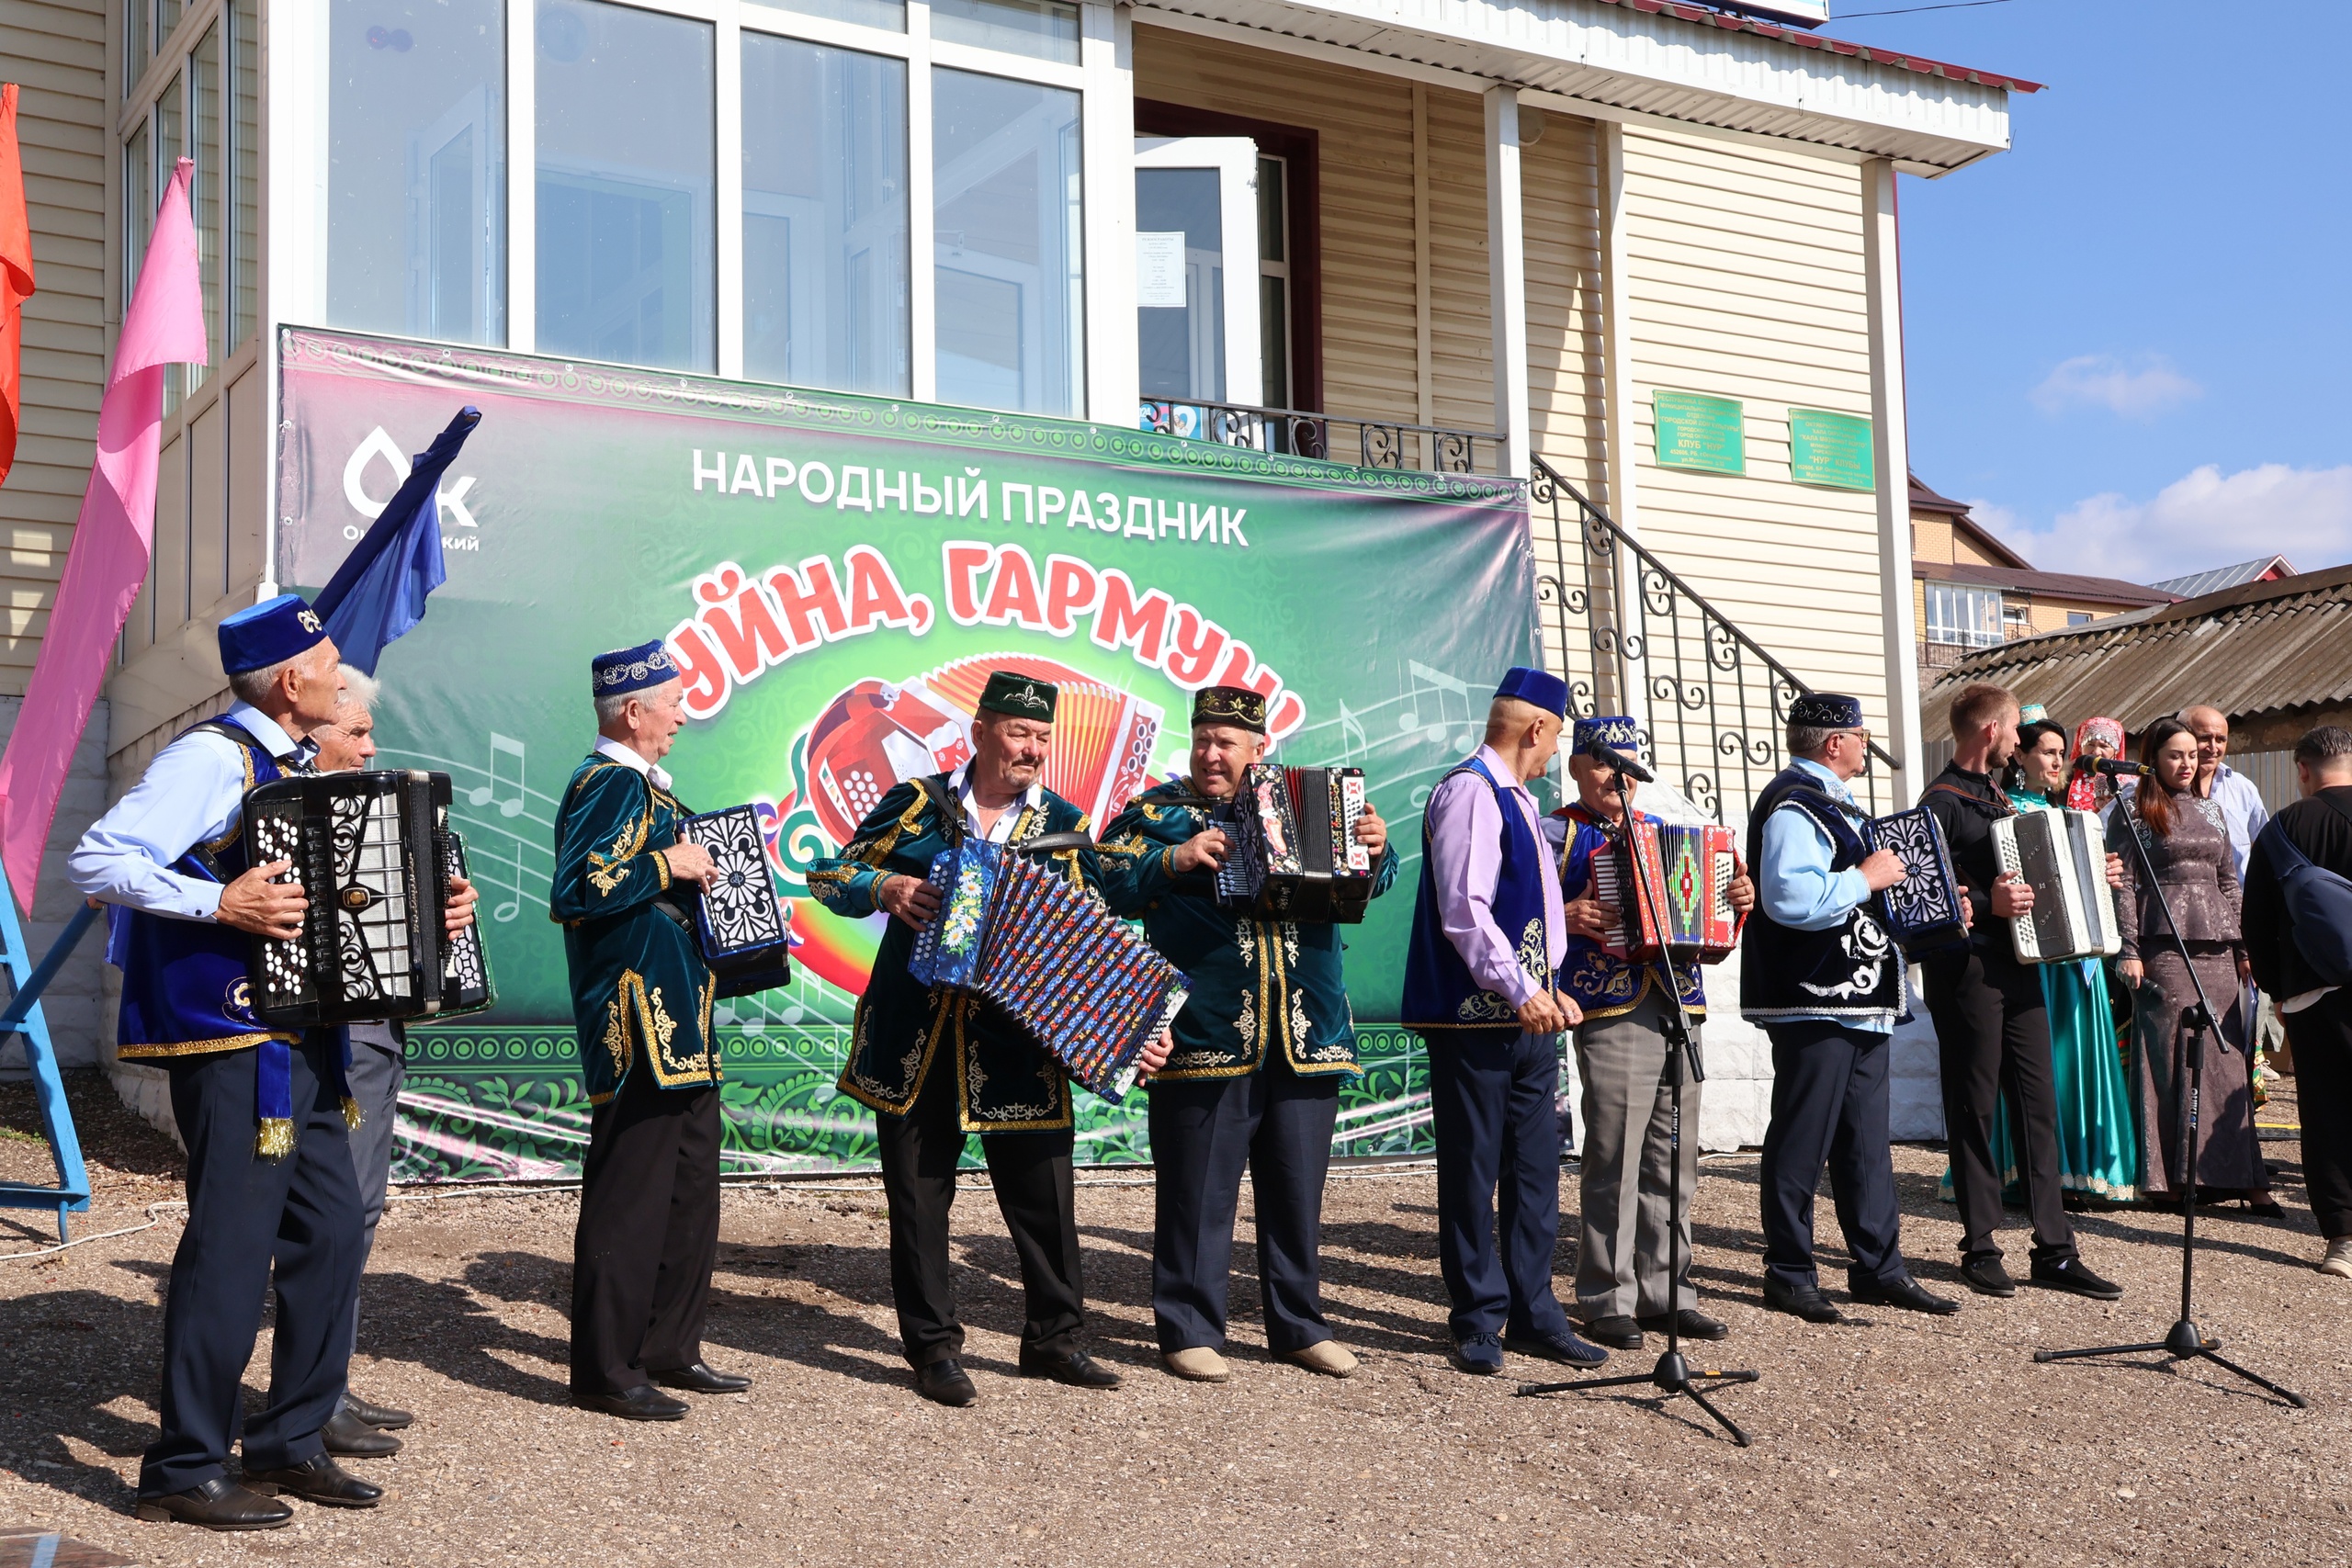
(1693, 430)
(1831, 449)
(836, 575)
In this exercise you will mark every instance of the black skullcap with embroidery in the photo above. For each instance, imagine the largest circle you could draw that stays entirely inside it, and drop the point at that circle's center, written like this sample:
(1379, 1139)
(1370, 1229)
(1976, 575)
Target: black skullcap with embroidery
(1235, 705)
(1019, 696)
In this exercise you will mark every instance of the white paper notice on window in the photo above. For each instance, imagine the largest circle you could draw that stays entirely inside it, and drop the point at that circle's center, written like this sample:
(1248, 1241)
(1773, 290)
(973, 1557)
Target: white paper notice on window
(1159, 269)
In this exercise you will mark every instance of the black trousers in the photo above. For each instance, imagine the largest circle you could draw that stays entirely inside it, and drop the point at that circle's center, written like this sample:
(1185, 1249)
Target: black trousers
(251, 1223)
(648, 1236)
(2320, 1036)
(1829, 1109)
(1202, 1132)
(1495, 1112)
(1992, 1039)
(1031, 1173)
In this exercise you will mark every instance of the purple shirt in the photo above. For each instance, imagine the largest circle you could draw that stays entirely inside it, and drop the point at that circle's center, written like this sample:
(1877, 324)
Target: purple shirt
(1465, 831)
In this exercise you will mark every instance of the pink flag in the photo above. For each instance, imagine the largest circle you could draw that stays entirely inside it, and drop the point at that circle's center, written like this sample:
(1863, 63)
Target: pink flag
(112, 539)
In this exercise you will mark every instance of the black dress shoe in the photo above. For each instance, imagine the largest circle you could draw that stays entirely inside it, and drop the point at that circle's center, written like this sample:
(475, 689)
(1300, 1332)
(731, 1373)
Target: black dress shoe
(1984, 1274)
(699, 1378)
(346, 1435)
(319, 1480)
(219, 1504)
(1693, 1325)
(946, 1383)
(1561, 1346)
(2069, 1274)
(643, 1403)
(1075, 1367)
(1615, 1330)
(382, 1417)
(1801, 1300)
(1906, 1293)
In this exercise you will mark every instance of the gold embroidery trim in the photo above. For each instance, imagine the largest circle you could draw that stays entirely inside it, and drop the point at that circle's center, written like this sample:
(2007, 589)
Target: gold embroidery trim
(201, 1047)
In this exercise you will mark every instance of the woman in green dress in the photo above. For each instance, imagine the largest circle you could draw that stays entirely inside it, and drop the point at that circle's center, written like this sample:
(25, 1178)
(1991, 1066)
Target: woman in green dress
(2098, 1132)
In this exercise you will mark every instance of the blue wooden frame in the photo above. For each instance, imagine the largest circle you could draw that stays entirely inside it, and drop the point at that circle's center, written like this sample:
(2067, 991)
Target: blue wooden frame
(24, 1016)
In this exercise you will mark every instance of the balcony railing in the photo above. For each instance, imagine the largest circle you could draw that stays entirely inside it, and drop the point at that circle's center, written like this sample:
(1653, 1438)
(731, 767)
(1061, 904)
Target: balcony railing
(1712, 706)
(1336, 438)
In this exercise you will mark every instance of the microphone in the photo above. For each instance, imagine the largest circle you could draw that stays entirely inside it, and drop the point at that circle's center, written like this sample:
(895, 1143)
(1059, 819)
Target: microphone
(2116, 768)
(1600, 752)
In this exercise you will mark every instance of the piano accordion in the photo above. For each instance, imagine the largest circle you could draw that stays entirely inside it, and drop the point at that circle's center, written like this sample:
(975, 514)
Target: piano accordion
(2062, 855)
(1084, 984)
(373, 853)
(1924, 911)
(1675, 873)
(740, 924)
(1294, 854)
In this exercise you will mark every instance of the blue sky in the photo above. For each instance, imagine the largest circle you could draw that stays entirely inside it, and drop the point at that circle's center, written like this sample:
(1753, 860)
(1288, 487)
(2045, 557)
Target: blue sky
(2130, 336)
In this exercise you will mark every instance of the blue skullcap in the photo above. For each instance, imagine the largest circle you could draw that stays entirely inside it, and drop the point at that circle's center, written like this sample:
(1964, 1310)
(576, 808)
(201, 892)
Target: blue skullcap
(627, 670)
(1613, 730)
(1827, 710)
(269, 633)
(1541, 687)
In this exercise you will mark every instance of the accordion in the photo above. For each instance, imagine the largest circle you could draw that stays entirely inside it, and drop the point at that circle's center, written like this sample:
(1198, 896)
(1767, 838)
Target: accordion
(740, 923)
(1666, 871)
(2062, 855)
(1924, 911)
(1295, 855)
(1083, 983)
(373, 853)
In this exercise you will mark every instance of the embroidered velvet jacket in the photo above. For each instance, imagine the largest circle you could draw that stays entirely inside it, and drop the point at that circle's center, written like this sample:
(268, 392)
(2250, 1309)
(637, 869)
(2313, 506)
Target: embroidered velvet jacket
(639, 989)
(1257, 984)
(1005, 1081)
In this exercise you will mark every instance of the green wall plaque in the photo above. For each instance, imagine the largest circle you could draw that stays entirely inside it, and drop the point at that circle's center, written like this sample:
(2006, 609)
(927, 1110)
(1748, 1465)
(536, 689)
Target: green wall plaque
(1695, 432)
(1831, 449)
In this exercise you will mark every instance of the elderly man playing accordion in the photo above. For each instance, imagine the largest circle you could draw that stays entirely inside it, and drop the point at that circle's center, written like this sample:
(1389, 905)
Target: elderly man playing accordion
(936, 1063)
(1260, 1049)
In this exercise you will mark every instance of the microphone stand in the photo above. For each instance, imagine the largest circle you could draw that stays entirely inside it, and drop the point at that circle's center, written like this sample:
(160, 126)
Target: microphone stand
(2185, 1341)
(1672, 1375)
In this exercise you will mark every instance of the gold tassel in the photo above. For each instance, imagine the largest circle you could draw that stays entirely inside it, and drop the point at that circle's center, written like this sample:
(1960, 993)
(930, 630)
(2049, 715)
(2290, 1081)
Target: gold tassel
(276, 1140)
(351, 1117)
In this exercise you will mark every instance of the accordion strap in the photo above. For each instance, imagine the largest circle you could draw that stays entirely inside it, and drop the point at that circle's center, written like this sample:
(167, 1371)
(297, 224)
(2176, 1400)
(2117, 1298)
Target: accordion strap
(1993, 810)
(1054, 843)
(951, 815)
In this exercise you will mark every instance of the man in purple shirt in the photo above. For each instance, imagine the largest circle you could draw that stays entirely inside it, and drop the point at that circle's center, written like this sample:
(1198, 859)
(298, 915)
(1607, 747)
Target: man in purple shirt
(1480, 990)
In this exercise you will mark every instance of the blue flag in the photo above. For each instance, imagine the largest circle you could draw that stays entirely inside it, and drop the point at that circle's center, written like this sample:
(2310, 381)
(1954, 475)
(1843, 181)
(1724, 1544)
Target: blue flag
(378, 591)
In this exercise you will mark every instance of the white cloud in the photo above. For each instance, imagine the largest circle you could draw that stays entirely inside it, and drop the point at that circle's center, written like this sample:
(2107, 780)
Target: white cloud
(2141, 390)
(2204, 519)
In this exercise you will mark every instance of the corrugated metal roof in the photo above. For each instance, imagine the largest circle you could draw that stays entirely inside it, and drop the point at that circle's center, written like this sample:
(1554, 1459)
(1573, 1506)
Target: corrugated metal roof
(2057, 584)
(2221, 577)
(2252, 650)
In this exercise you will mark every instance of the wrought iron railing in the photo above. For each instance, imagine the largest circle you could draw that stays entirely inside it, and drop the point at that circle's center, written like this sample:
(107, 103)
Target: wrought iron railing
(1377, 443)
(1636, 638)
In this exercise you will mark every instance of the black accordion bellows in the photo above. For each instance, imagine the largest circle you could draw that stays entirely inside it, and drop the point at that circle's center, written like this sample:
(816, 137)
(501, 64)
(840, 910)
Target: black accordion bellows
(374, 854)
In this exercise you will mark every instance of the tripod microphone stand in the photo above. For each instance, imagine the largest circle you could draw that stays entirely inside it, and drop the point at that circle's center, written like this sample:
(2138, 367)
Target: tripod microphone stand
(1672, 1375)
(2185, 1341)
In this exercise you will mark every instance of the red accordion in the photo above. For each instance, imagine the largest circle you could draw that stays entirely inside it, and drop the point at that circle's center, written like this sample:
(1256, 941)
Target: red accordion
(1684, 880)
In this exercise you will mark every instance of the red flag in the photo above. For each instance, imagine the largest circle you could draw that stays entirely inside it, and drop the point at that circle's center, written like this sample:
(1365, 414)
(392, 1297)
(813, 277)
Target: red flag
(15, 280)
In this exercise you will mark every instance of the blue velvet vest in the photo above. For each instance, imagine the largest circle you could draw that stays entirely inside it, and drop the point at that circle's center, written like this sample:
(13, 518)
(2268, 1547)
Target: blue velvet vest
(1852, 970)
(1443, 1001)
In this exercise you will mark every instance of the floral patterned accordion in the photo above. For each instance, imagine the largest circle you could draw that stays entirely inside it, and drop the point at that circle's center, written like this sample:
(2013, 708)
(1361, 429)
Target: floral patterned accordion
(738, 922)
(1294, 854)
(1086, 987)
(373, 853)
(2062, 855)
(1923, 911)
(1685, 876)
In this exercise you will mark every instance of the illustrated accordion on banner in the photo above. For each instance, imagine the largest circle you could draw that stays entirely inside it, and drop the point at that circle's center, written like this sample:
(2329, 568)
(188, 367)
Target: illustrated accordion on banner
(740, 923)
(1685, 875)
(373, 853)
(1294, 854)
(2062, 855)
(1084, 984)
(1923, 911)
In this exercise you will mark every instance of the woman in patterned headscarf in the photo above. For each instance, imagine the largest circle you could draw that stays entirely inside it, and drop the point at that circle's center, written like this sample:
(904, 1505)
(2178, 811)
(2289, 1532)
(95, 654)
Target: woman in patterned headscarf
(2095, 740)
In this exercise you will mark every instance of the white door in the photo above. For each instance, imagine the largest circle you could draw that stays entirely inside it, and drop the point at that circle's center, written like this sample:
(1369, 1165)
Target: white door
(1197, 281)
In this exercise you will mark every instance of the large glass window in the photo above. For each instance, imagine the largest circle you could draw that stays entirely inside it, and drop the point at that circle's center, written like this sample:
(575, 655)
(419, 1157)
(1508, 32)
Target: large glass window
(139, 200)
(824, 217)
(627, 159)
(1046, 29)
(204, 190)
(1968, 617)
(137, 46)
(244, 168)
(417, 168)
(888, 15)
(1181, 324)
(1008, 240)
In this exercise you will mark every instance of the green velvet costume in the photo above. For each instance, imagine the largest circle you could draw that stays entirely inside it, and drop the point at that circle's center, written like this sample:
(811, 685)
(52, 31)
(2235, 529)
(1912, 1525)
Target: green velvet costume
(639, 989)
(1007, 1083)
(1255, 983)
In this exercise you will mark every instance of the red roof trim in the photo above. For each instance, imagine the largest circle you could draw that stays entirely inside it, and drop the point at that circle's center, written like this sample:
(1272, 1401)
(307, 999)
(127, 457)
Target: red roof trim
(1914, 63)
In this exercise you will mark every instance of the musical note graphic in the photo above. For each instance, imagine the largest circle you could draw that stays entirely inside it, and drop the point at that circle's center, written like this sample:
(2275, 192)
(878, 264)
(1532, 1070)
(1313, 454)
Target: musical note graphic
(1411, 720)
(505, 912)
(482, 795)
(1353, 742)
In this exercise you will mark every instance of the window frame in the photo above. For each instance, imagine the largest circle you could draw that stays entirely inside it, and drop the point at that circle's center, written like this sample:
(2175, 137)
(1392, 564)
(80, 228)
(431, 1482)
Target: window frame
(1953, 626)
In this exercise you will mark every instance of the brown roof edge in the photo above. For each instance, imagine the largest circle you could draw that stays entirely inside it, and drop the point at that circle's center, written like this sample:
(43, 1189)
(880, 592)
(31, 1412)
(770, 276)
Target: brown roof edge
(1926, 500)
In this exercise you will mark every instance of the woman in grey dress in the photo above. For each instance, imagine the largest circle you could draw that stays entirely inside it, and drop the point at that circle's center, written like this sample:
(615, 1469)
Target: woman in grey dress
(2188, 846)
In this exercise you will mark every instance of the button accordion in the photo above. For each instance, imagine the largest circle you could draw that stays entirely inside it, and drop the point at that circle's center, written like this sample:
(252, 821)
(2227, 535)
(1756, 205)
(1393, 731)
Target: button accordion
(2062, 855)
(1294, 854)
(740, 924)
(1084, 984)
(1924, 911)
(373, 853)
(1678, 873)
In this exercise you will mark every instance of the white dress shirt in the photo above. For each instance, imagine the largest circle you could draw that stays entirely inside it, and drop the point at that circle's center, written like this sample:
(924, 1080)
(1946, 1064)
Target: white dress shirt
(959, 785)
(608, 747)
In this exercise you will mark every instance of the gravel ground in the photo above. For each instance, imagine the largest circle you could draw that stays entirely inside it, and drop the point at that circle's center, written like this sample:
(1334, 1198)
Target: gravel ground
(1895, 1439)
